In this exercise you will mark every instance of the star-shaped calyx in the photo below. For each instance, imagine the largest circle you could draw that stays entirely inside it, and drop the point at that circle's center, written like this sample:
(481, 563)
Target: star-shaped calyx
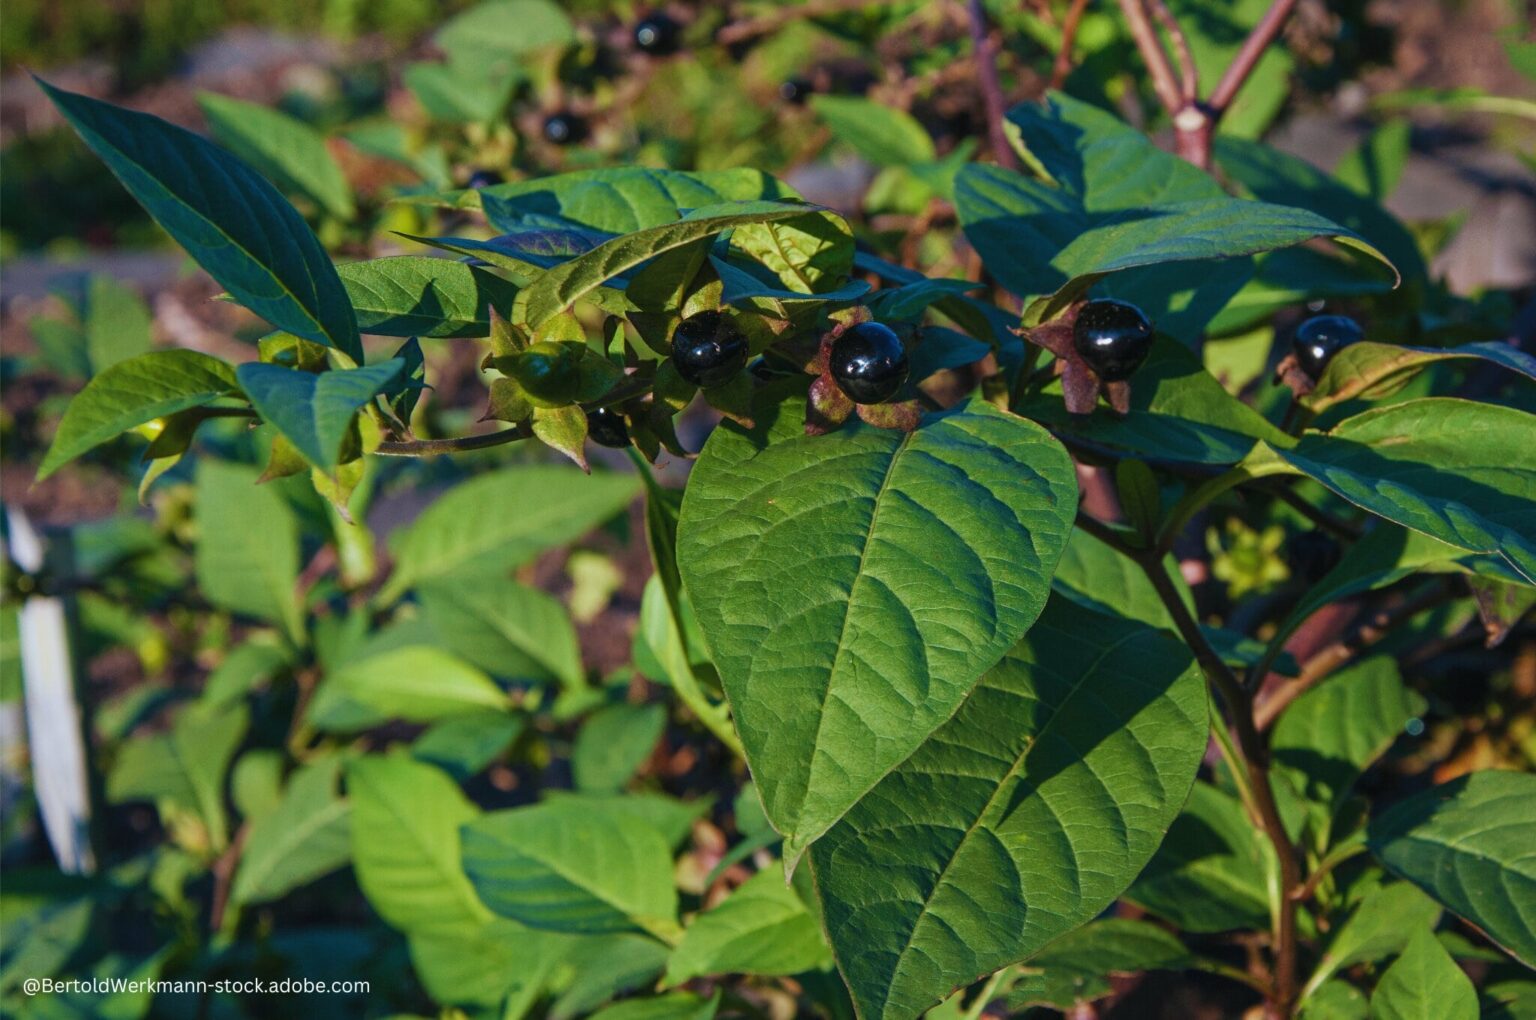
(881, 363)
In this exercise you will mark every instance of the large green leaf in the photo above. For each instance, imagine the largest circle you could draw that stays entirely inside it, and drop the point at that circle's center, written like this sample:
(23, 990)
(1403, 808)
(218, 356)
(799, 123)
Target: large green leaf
(247, 554)
(881, 134)
(570, 865)
(1179, 411)
(288, 151)
(308, 834)
(487, 965)
(314, 412)
(567, 283)
(405, 845)
(854, 586)
(1424, 984)
(413, 295)
(117, 325)
(1373, 370)
(502, 519)
(513, 27)
(1023, 817)
(618, 200)
(1332, 733)
(1275, 176)
(1111, 202)
(1210, 873)
(416, 683)
(184, 767)
(762, 928)
(132, 392)
(507, 629)
(1471, 843)
(1458, 471)
(227, 217)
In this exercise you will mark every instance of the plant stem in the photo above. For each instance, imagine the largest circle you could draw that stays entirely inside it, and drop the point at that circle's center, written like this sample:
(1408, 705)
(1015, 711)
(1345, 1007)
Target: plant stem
(991, 90)
(1189, 76)
(1255, 754)
(985, 995)
(457, 444)
(1247, 58)
(1164, 84)
(1063, 65)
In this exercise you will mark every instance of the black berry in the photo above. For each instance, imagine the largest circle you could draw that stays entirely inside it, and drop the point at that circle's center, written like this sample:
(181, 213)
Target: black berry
(483, 179)
(564, 128)
(1113, 338)
(708, 349)
(658, 35)
(606, 427)
(1321, 337)
(869, 363)
(795, 91)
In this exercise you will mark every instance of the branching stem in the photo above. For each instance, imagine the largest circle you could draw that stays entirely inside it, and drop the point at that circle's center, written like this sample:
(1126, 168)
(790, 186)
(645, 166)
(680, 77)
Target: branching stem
(991, 90)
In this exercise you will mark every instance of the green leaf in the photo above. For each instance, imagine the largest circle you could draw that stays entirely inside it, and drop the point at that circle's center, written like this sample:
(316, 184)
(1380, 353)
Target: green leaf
(314, 412)
(247, 555)
(608, 965)
(133, 392)
(1023, 817)
(614, 742)
(569, 282)
(1383, 923)
(501, 520)
(413, 295)
(618, 200)
(405, 845)
(1458, 471)
(185, 766)
(565, 865)
(1373, 370)
(1332, 733)
(1424, 984)
(1469, 844)
(308, 834)
(881, 134)
(1210, 873)
(507, 629)
(117, 325)
(289, 152)
(1078, 966)
(1274, 176)
(1179, 411)
(230, 220)
(463, 745)
(807, 253)
(470, 89)
(1374, 167)
(1111, 202)
(513, 27)
(487, 965)
(672, 1006)
(1335, 1000)
(762, 929)
(1099, 578)
(415, 683)
(852, 587)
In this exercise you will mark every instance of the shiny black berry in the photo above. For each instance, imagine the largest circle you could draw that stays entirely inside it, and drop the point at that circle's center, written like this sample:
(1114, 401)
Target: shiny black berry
(606, 427)
(708, 349)
(483, 179)
(1113, 338)
(869, 363)
(564, 128)
(1321, 337)
(658, 35)
(795, 91)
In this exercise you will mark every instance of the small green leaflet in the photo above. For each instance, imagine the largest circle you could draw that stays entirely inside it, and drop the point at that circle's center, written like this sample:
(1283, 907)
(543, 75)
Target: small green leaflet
(313, 411)
(288, 151)
(241, 231)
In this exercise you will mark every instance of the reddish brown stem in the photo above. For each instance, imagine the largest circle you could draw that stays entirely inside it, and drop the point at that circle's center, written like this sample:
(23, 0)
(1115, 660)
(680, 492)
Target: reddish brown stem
(1164, 84)
(991, 90)
(1063, 65)
(1189, 75)
(1247, 58)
